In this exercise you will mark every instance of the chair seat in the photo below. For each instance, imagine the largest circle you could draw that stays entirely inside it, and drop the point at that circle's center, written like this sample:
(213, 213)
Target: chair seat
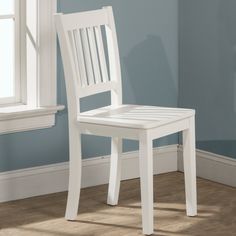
(135, 116)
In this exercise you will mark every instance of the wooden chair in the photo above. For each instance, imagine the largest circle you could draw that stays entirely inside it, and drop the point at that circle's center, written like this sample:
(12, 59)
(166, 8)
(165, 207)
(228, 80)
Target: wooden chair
(82, 44)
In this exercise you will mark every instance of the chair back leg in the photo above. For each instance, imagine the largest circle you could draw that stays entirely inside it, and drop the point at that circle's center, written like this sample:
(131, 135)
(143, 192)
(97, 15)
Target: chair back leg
(75, 168)
(189, 160)
(115, 171)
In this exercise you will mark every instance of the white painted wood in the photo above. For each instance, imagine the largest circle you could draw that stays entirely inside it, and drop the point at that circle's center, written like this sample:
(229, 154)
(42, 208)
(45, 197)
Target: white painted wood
(141, 117)
(101, 53)
(24, 118)
(17, 42)
(80, 55)
(114, 58)
(115, 171)
(24, 111)
(211, 166)
(109, 131)
(189, 157)
(143, 123)
(85, 19)
(73, 109)
(97, 88)
(74, 173)
(47, 44)
(23, 58)
(71, 35)
(36, 181)
(94, 55)
(146, 179)
(33, 90)
(29, 182)
(27, 123)
(87, 56)
(32, 52)
(170, 128)
(8, 16)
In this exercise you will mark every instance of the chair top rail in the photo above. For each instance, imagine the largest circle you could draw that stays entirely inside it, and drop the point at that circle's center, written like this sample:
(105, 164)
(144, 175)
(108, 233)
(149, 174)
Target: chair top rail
(97, 88)
(85, 19)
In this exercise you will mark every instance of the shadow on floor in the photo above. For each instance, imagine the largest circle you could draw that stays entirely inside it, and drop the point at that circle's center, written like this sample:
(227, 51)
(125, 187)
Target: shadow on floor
(45, 214)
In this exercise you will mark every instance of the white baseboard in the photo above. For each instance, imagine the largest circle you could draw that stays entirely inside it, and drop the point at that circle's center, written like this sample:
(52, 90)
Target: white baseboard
(213, 167)
(53, 178)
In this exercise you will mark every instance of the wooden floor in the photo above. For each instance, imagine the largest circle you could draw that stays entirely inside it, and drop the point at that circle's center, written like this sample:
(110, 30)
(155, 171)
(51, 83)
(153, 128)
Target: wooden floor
(44, 215)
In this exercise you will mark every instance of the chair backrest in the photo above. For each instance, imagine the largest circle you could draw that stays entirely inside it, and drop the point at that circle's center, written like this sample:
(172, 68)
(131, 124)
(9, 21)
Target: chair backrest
(83, 47)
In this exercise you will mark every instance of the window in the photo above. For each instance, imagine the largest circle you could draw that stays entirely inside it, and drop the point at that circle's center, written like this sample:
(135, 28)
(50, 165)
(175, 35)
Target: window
(9, 52)
(27, 65)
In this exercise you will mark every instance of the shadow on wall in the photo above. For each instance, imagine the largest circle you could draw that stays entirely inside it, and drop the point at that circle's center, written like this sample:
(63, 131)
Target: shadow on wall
(148, 77)
(224, 94)
(227, 50)
(148, 80)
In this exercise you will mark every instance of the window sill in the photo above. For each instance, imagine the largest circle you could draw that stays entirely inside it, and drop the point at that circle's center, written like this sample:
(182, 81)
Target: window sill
(24, 118)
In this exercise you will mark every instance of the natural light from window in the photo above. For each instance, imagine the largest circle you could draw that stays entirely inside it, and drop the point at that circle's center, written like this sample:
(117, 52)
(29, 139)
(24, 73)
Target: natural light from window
(7, 49)
(27, 65)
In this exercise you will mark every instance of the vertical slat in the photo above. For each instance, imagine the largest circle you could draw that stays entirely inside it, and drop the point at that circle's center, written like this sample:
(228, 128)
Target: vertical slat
(87, 57)
(81, 60)
(101, 53)
(94, 55)
(73, 49)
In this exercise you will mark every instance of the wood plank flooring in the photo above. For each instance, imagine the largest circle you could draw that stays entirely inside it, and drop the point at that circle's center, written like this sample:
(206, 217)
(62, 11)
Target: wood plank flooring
(44, 215)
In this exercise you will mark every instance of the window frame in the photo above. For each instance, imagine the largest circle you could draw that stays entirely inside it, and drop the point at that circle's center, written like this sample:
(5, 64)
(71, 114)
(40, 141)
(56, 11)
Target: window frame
(37, 105)
(44, 82)
(17, 83)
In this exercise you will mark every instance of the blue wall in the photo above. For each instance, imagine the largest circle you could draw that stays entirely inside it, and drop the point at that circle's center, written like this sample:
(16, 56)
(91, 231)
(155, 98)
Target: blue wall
(148, 42)
(207, 62)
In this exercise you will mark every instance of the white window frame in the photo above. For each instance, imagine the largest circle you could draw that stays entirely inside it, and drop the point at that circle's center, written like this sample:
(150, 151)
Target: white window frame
(16, 17)
(36, 103)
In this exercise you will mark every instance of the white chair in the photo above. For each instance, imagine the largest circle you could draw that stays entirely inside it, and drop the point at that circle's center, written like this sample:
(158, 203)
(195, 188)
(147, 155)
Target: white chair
(85, 67)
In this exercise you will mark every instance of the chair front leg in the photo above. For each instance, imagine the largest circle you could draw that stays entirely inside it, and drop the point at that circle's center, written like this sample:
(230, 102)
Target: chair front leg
(75, 168)
(115, 171)
(146, 178)
(189, 159)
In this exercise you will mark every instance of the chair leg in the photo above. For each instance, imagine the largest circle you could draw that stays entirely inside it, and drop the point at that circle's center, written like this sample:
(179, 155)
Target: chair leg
(115, 171)
(189, 159)
(75, 167)
(146, 178)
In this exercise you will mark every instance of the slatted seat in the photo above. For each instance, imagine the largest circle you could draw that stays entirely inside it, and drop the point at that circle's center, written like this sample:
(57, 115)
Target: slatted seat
(133, 116)
(91, 64)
